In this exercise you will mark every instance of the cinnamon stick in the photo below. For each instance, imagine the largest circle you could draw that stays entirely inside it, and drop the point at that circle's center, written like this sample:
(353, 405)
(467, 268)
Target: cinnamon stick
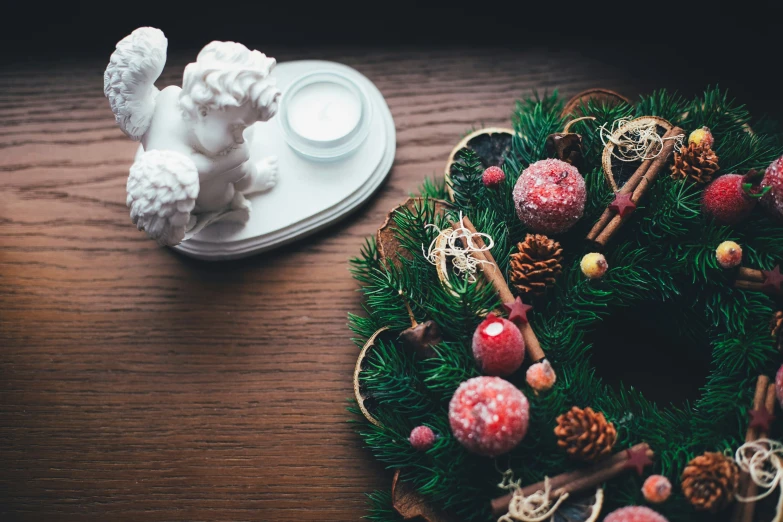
(494, 276)
(602, 234)
(743, 512)
(628, 188)
(575, 481)
(750, 274)
(748, 285)
(751, 490)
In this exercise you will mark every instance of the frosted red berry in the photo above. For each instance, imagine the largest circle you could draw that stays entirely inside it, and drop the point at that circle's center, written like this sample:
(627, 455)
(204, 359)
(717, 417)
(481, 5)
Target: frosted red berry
(488, 416)
(656, 489)
(725, 200)
(493, 177)
(498, 346)
(541, 376)
(635, 514)
(550, 196)
(779, 386)
(772, 202)
(422, 438)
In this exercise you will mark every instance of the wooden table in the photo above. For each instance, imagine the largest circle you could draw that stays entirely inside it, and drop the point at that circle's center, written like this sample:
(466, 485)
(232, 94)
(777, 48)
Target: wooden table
(139, 385)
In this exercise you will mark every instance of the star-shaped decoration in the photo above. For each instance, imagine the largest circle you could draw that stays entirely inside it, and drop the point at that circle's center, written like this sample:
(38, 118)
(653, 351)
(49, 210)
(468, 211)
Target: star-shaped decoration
(773, 279)
(638, 460)
(622, 204)
(517, 310)
(761, 419)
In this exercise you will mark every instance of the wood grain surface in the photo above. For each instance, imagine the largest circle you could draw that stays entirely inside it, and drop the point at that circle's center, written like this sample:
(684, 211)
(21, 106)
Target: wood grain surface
(136, 384)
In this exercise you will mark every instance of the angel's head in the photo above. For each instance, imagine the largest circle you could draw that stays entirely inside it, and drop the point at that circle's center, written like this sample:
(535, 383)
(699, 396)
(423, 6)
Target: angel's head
(226, 90)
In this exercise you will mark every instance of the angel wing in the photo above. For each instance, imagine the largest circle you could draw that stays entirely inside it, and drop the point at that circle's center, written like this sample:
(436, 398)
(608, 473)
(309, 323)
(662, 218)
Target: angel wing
(162, 190)
(129, 79)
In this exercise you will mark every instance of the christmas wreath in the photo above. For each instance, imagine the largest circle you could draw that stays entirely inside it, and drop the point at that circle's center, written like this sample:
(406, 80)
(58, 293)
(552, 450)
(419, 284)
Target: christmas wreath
(667, 213)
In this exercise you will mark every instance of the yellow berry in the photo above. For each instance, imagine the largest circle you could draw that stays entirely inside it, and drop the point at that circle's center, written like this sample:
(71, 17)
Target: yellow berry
(729, 254)
(702, 136)
(594, 265)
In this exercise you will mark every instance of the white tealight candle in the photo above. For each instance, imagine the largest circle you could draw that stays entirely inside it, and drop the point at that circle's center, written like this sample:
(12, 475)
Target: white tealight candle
(323, 111)
(325, 115)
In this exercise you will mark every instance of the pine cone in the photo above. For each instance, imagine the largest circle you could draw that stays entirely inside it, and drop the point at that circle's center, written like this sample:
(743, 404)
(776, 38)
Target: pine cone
(709, 481)
(776, 327)
(537, 264)
(585, 434)
(697, 162)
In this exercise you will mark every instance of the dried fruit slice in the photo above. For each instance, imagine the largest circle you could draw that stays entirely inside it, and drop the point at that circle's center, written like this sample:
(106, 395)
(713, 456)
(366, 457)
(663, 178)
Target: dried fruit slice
(389, 246)
(617, 172)
(600, 96)
(492, 145)
(361, 398)
(581, 508)
(442, 267)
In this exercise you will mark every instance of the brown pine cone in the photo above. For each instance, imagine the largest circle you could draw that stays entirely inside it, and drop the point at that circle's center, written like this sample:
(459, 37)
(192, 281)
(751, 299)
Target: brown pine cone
(709, 481)
(585, 434)
(697, 162)
(776, 326)
(536, 266)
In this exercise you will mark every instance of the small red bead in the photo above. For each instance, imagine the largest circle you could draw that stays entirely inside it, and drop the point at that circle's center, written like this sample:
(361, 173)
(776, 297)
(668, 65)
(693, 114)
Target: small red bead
(493, 177)
(422, 438)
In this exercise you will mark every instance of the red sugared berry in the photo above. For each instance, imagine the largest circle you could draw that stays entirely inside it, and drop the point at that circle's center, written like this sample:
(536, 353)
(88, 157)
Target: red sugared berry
(488, 415)
(656, 489)
(773, 200)
(550, 196)
(422, 438)
(730, 199)
(493, 177)
(498, 346)
(779, 385)
(540, 376)
(635, 514)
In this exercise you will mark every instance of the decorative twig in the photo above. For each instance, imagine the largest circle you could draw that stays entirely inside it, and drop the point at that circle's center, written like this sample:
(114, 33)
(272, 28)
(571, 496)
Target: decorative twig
(636, 186)
(494, 276)
(579, 480)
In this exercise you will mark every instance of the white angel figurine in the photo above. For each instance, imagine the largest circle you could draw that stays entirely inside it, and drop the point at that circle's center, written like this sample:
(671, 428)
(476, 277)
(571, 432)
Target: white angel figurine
(194, 169)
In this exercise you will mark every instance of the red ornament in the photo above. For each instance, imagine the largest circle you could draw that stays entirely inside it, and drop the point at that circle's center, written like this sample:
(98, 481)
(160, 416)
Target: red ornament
(550, 196)
(635, 514)
(422, 438)
(493, 177)
(773, 279)
(731, 198)
(773, 179)
(623, 204)
(638, 460)
(498, 346)
(517, 311)
(488, 415)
